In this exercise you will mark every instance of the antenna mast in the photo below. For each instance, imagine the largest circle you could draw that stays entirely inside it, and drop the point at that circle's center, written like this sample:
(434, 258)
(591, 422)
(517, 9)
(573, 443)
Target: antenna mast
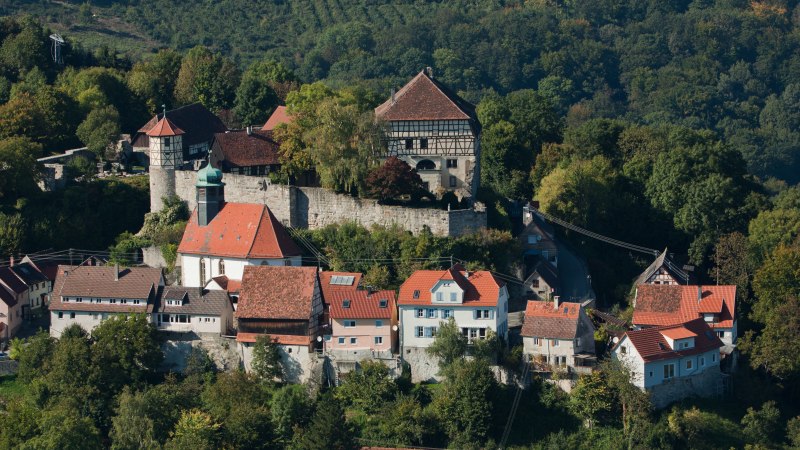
(55, 49)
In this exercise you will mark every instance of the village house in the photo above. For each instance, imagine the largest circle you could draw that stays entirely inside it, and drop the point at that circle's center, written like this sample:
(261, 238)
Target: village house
(331, 282)
(87, 295)
(558, 335)
(671, 304)
(286, 304)
(10, 315)
(436, 132)
(542, 283)
(17, 289)
(222, 238)
(663, 271)
(37, 283)
(248, 152)
(362, 323)
(196, 310)
(477, 301)
(672, 362)
(198, 125)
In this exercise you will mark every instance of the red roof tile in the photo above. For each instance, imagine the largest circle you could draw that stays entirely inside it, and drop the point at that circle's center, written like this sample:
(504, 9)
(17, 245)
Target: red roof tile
(652, 346)
(674, 304)
(325, 278)
(277, 292)
(678, 333)
(165, 128)
(283, 339)
(542, 319)
(362, 305)
(424, 98)
(482, 288)
(277, 117)
(239, 149)
(231, 286)
(239, 230)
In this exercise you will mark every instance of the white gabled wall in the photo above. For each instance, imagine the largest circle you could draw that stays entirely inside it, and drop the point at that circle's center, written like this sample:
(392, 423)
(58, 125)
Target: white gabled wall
(234, 267)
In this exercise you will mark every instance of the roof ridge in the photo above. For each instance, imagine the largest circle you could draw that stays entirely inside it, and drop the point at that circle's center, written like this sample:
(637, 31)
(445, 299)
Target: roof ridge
(255, 235)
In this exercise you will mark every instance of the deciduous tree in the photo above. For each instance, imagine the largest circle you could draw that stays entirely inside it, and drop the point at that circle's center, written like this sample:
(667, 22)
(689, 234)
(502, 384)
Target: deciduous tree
(394, 179)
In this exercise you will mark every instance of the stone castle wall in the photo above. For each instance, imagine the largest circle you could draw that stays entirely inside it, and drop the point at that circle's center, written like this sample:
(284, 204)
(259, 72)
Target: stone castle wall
(706, 384)
(307, 207)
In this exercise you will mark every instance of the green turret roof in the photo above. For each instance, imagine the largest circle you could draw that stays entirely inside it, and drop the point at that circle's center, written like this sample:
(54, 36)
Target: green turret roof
(209, 176)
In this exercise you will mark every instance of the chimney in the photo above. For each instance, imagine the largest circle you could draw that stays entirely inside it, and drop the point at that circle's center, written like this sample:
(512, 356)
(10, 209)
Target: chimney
(11, 261)
(699, 293)
(393, 99)
(249, 130)
(556, 301)
(116, 272)
(429, 71)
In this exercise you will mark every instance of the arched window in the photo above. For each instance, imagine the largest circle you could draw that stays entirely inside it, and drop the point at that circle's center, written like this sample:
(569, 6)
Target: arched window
(202, 272)
(222, 267)
(426, 164)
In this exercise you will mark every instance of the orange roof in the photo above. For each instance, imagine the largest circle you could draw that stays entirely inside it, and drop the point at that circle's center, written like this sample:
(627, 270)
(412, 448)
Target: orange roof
(652, 346)
(164, 128)
(277, 117)
(342, 283)
(283, 339)
(543, 319)
(481, 288)
(657, 305)
(424, 98)
(362, 305)
(239, 230)
(678, 333)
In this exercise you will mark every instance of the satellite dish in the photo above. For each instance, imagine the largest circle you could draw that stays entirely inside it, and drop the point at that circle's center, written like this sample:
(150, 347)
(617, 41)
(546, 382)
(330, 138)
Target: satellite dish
(319, 338)
(394, 328)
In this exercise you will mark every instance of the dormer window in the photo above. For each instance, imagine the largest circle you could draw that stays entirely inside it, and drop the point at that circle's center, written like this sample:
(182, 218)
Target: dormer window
(383, 303)
(416, 294)
(346, 303)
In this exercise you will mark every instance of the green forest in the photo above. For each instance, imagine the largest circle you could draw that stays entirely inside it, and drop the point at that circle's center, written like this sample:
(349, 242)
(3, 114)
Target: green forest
(661, 123)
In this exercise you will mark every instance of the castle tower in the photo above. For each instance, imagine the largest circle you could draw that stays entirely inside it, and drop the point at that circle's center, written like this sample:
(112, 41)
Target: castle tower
(210, 194)
(166, 154)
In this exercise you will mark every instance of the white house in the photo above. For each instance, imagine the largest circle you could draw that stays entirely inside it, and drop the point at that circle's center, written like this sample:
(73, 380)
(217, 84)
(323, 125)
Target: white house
(559, 334)
(195, 310)
(672, 361)
(221, 238)
(476, 300)
(87, 295)
(436, 132)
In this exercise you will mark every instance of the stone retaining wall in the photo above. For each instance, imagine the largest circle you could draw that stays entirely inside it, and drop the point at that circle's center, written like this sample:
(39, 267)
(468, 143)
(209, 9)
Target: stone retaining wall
(8, 367)
(706, 384)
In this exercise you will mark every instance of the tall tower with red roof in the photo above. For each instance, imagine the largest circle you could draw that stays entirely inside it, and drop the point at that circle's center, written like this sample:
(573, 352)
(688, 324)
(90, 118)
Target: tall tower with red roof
(166, 154)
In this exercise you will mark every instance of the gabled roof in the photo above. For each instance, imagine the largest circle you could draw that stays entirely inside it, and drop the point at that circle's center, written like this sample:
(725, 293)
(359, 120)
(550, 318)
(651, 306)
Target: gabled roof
(656, 305)
(277, 292)
(547, 272)
(239, 149)
(11, 281)
(195, 301)
(424, 98)
(100, 282)
(28, 273)
(195, 120)
(165, 128)
(331, 282)
(362, 305)
(663, 261)
(239, 230)
(481, 288)
(277, 117)
(7, 297)
(652, 345)
(226, 284)
(544, 320)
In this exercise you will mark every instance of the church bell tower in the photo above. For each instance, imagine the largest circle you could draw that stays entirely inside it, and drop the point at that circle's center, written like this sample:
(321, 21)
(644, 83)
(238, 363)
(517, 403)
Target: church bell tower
(210, 194)
(166, 155)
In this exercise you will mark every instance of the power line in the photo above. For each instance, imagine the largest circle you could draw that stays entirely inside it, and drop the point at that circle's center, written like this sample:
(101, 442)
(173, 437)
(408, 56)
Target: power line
(514, 406)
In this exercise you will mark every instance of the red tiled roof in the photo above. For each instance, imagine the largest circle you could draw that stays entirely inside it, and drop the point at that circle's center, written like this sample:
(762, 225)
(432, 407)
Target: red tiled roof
(283, 339)
(277, 292)
(363, 305)
(240, 149)
(424, 98)
(100, 282)
(164, 128)
(652, 346)
(678, 333)
(543, 320)
(482, 288)
(673, 304)
(328, 289)
(277, 117)
(231, 286)
(239, 230)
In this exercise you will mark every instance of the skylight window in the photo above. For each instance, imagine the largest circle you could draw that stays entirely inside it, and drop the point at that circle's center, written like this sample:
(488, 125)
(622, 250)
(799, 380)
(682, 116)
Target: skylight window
(383, 303)
(342, 280)
(345, 303)
(416, 293)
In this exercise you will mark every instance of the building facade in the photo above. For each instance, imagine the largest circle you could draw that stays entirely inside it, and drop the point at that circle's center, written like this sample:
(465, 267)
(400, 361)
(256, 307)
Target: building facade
(436, 132)
(196, 310)
(362, 322)
(558, 334)
(37, 283)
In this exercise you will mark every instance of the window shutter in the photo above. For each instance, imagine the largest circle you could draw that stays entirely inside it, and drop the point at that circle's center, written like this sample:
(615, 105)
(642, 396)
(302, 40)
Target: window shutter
(491, 314)
(475, 314)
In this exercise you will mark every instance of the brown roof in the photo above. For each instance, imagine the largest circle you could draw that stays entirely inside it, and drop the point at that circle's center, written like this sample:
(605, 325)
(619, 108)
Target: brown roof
(662, 304)
(99, 282)
(362, 305)
(277, 117)
(239, 230)
(543, 320)
(424, 98)
(195, 120)
(165, 128)
(481, 288)
(331, 282)
(195, 301)
(240, 149)
(231, 286)
(653, 346)
(277, 292)
(11, 281)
